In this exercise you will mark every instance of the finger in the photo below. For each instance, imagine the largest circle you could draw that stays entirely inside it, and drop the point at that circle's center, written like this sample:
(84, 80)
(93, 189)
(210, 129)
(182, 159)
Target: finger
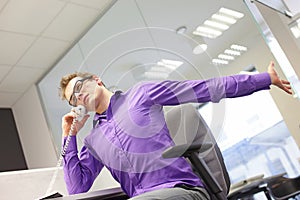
(287, 90)
(288, 87)
(285, 81)
(271, 66)
(67, 117)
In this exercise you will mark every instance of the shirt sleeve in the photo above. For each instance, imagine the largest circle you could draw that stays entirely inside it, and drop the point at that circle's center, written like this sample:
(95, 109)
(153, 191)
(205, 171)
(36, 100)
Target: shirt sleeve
(79, 172)
(215, 89)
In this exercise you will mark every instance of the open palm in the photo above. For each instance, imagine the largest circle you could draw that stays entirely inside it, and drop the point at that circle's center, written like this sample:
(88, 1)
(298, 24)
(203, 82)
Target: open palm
(277, 81)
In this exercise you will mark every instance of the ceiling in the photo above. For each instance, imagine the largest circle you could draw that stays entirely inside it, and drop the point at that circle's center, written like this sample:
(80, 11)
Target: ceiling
(35, 34)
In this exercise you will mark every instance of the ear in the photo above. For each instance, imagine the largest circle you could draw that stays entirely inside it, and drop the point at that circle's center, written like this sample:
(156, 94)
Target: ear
(98, 80)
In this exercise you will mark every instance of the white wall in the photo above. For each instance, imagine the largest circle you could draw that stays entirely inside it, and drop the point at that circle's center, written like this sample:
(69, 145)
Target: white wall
(33, 131)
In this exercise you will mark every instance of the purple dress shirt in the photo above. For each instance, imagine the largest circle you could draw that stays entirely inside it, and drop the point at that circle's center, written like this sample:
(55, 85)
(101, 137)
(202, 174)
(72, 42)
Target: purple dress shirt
(130, 140)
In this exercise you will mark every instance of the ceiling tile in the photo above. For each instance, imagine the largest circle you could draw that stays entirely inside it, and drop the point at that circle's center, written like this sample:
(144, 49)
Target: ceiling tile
(12, 47)
(4, 69)
(98, 4)
(30, 16)
(8, 99)
(48, 51)
(20, 78)
(2, 3)
(80, 17)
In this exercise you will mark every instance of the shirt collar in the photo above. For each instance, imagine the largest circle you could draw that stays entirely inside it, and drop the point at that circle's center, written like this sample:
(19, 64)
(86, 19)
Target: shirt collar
(106, 114)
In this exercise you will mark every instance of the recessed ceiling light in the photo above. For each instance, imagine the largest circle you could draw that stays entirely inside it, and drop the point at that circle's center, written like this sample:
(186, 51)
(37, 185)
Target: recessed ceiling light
(205, 34)
(219, 21)
(232, 52)
(219, 61)
(232, 13)
(156, 75)
(238, 47)
(216, 24)
(208, 31)
(170, 64)
(225, 57)
(157, 68)
(224, 18)
(200, 48)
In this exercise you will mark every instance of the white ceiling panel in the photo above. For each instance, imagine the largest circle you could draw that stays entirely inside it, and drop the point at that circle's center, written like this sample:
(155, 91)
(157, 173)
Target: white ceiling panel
(2, 3)
(8, 99)
(61, 27)
(19, 79)
(30, 16)
(13, 46)
(43, 53)
(98, 4)
(4, 69)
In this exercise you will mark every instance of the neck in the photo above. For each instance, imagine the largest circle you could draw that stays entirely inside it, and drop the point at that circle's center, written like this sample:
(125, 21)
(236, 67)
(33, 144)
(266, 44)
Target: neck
(103, 105)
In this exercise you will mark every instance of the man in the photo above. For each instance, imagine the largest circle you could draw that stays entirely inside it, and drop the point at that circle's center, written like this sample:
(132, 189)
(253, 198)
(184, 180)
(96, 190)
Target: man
(130, 132)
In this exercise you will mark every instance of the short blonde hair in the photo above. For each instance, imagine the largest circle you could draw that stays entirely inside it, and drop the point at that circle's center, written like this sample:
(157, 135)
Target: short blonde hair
(66, 79)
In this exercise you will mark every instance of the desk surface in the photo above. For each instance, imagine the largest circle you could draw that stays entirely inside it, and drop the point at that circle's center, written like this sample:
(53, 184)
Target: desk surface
(251, 183)
(104, 194)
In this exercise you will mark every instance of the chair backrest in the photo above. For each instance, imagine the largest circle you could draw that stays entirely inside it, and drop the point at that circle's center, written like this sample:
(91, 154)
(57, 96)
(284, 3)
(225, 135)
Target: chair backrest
(186, 127)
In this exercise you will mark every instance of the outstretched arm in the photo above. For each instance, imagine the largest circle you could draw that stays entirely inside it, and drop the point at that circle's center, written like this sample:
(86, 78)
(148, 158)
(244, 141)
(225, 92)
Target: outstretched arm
(178, 92)
(277, 81)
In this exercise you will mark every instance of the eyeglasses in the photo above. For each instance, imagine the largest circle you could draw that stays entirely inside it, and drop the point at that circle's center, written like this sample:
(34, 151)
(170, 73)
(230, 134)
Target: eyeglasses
(76, 89)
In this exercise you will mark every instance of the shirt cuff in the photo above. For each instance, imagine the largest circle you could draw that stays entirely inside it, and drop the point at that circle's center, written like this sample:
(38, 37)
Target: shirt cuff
(72, 146)
(263, 80)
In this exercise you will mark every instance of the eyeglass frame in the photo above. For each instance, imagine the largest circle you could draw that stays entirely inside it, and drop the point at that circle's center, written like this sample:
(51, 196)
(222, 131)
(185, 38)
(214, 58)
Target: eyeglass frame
(78, 90)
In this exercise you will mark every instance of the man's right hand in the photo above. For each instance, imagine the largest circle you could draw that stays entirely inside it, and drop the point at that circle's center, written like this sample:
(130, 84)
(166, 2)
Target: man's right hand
(277, 81)
(67, 121)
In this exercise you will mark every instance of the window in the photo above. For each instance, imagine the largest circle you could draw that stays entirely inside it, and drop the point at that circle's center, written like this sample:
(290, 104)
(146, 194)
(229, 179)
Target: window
(254, 139)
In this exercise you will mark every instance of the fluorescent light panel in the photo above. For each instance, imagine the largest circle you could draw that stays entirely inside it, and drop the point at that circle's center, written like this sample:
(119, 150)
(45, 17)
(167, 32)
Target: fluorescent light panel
(209, 31)
(223, 18)
(217, 25)
(238, 47)
(170, 64)
(157, 68)
(205, 34)
(218, 22)
(175, 63)
(231, 13)
(219, 61)
(229, 54)
(200, 48)
(225, 57)
(232, 52)
(162, 69)
(156, 75)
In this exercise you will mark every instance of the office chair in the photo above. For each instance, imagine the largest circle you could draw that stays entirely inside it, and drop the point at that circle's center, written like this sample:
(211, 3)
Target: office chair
(195, 141)
(284, 188)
